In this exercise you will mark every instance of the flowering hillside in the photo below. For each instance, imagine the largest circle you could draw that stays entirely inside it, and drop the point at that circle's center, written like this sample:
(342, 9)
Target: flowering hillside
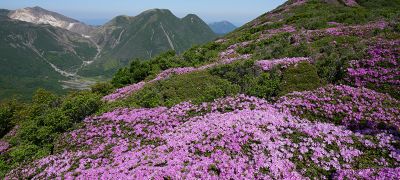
(309, 90)
(234, 137)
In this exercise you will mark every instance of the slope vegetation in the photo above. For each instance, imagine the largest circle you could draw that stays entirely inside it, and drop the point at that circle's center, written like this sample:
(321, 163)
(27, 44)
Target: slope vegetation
(307, 91)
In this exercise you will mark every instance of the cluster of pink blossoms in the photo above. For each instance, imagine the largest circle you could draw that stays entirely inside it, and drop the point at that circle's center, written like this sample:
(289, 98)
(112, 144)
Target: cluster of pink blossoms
(358, 108)
(167, 73)
(383, 173)
(272, 32)
(228, 56)
(350, 2)
(356, 30)
(124, 92)
(235, 137)
(284, 63)
(4, 145)
(383, 66)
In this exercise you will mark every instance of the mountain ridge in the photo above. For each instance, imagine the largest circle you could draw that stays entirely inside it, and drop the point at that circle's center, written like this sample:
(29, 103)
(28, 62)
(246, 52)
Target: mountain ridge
(145, 35)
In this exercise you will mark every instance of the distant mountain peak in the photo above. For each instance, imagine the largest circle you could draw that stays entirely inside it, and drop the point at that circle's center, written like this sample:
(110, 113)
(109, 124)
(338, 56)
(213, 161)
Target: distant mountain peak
(38, 15)
(36, 8)
(157, 11)
(193, 18)
(222, 27)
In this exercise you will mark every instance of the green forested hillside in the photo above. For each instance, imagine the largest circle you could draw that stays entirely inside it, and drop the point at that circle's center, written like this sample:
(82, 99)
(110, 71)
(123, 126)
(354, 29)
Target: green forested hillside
(145, 36)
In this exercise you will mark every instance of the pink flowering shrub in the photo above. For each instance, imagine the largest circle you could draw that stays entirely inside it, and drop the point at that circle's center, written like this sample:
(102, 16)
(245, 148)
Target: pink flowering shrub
(4, 145)
(378, 174)
(363, 30)
(381, 69)
(231, 54)
(269, 33)
(359, 30)
(267, 65)
(235, 137)
(350, 2)
(357, 108)
(167, 73)
(124, 92)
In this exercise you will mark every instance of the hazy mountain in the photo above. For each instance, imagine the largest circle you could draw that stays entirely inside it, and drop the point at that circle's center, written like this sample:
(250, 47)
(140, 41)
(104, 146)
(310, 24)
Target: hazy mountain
(223, 27)
(144, 36)
(38, 15)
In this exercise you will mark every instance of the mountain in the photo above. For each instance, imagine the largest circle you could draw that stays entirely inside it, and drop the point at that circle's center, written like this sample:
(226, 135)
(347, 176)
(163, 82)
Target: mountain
(38, 55)
(145, 36)
(223, 27)
(39, 48)
(38, 15)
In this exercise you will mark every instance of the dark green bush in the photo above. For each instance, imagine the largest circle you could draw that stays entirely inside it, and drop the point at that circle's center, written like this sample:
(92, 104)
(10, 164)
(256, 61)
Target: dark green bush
(302, 77)
(46, 99)
(44, 120)
(79, 105)
(20, 153)
(265, 86)
(121, 77)
(334, 53)
(102, 88)
(7, 116)
(252, 81)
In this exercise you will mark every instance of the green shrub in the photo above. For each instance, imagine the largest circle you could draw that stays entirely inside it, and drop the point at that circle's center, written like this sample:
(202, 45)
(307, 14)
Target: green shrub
(334, 53)
(45, 98)
(264, 86)
(102, 88)
(57, 120)
(44, 120)
(121, 78)
(7, 116)
(4, 167)
(79, 105)
(302, 77)
(20, 153)
(252, 81)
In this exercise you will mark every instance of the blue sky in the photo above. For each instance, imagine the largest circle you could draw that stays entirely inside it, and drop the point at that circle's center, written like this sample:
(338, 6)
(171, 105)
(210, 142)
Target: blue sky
(98, 11)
